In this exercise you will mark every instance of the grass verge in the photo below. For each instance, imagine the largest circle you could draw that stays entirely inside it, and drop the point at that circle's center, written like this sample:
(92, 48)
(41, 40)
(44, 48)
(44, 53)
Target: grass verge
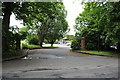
(50, 47)
(104, 53)
(31, 46)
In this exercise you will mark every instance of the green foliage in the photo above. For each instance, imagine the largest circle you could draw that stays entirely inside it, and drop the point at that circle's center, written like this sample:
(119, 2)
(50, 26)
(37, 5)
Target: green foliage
(23, 32)
(70, 37)
(30, 46)
(47, 20)
(56, 30)
(107, 53)
(98, 23)
(11, 53)
(87, 26)
(8, 37)
(75, 45)
(24, 46)
(46, 42)
(56, 42)
(112, 22)
(91, 46)
(33, 39)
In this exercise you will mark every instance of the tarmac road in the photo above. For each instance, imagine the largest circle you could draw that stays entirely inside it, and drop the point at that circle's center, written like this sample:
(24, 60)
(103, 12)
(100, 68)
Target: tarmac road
(60, 63)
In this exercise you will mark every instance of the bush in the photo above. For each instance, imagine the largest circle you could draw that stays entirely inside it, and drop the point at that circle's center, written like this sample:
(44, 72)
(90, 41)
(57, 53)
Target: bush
(11, 53)
(24, 46)
(34, 40)
(75, 45)
(90, 46)
(46, 42)
(56, 42)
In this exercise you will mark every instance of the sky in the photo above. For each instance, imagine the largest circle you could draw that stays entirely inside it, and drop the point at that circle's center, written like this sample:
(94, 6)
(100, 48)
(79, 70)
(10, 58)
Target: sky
(73, 7)
(14, 22)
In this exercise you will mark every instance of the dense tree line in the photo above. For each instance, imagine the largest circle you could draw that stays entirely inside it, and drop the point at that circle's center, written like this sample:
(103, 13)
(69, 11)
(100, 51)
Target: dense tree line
(44, 19)
(99, 23)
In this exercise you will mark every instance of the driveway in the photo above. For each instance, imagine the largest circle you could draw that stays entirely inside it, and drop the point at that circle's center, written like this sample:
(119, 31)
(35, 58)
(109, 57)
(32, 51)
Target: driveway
(60, 63)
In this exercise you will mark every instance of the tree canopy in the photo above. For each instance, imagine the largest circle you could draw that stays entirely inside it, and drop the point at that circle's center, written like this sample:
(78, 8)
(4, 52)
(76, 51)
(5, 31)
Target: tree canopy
(47, 19)
(44, 19)
(99, 24)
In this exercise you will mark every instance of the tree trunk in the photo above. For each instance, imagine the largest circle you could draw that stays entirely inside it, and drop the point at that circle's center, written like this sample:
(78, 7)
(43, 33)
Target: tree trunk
(41, 41)
(41, 44)
(17, 41)
(5, 24)
(51, 44)
(17, 44)
(118, 47)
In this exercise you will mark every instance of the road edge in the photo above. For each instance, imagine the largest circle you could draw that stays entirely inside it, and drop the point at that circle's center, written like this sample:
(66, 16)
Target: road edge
(94, 54)
(25, 53)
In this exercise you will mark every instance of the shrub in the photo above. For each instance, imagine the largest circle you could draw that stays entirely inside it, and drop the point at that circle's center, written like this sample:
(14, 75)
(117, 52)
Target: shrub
(11, 53)
(56, 42)
(46, 42)
(90, 46)
(24, 46)
(33, 40)
(75, 45)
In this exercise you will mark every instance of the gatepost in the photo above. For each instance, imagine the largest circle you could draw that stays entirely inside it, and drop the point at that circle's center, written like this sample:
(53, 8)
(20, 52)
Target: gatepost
(83, 43)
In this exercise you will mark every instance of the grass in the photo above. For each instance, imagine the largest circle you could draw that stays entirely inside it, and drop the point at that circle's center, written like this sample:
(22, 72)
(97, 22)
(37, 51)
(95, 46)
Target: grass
(30, 46)
(34, 47)
(11, 53)
(50, 47)
(108, 53)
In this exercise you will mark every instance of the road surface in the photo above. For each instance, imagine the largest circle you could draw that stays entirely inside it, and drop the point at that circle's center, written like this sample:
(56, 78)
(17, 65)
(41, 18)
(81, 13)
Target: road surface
(60, 63)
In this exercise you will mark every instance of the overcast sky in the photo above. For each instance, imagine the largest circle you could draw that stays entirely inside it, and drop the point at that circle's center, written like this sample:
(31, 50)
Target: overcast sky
(73, 8)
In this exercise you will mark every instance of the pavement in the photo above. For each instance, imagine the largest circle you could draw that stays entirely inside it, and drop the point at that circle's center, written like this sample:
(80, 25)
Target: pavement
(60, 63)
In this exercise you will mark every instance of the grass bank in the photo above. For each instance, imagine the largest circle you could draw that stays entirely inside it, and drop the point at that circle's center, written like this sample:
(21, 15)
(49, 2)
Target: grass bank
(31, 46)
(104, 53)
(49, 47)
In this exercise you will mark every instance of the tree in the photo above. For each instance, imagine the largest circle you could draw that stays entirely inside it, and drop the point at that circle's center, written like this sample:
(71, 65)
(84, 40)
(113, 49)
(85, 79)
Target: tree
(112, 23)
(7, 10)
(99, 24)
(87, 25)
(70, 37)
(16, 36)
(56, 30)
(8, 41)
(37, 15)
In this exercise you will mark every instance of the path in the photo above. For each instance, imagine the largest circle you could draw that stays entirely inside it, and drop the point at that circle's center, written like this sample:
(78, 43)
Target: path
(60, 63)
